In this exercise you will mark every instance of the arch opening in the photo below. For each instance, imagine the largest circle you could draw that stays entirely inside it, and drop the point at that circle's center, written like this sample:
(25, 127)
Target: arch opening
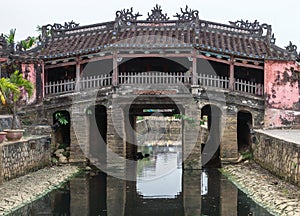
(244, 127)
(152, 125)
(61, 135)
(211, 148)
(97, 116)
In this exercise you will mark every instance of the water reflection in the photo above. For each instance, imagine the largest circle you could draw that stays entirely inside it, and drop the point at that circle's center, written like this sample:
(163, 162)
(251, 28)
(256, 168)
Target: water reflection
(160, 175)
(162, 188)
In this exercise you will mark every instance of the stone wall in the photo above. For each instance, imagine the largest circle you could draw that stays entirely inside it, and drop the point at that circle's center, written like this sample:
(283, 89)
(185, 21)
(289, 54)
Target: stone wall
(280, 157)
(21, 157)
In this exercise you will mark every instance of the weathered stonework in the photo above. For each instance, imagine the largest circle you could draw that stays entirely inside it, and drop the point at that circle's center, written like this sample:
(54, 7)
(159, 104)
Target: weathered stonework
(192, 142)
(116, 100)
(278, 156)
(21, 157)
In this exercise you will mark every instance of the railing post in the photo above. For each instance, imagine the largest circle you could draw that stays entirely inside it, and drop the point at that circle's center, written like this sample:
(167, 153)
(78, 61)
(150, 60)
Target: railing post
(231, 74)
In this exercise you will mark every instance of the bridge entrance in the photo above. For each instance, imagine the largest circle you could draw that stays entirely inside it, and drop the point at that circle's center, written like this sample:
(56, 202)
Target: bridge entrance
(152, 125)
(158, 120)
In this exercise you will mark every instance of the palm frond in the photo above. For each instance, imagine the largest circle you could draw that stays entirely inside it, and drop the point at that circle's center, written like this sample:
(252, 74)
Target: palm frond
(6, 87)
(17, 79)
(10, 38)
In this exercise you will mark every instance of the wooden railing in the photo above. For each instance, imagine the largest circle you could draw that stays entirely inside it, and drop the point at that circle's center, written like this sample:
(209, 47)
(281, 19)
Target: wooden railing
(213, 81)
(133, 78)
(248, 87)
(92, 82)
(146, 78)
(61, 86)
(66, 86)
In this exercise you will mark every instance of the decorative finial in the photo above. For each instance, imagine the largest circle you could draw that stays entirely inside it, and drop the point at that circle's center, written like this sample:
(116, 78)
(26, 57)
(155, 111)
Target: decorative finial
(126, 17)
(291, 47)
(187, 14)
(157, 15)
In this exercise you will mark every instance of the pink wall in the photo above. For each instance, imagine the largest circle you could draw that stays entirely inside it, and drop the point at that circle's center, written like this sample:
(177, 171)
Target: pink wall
(282, 93)
(32, 78)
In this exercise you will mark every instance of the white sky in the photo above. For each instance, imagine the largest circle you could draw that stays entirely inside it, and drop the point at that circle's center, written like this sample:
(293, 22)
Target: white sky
(284, 16)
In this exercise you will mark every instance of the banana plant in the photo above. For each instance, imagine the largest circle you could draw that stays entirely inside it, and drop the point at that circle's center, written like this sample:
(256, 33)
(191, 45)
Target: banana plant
(28, 43)
(10, 38)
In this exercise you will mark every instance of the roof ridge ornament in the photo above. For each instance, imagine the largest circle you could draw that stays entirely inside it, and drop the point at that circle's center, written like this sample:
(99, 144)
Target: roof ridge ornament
(56, 27)
(273, 39)
(246, 24)
(291, 47)
(187, 14)
(3, 43)
(126, 17)
(157, 15)
(253, 27)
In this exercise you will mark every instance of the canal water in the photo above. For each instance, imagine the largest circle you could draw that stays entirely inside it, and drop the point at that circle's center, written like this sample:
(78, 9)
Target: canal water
(161, 188)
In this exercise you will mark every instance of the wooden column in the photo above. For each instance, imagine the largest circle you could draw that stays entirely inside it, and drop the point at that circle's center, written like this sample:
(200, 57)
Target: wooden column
(77, 86)
(231, 74)
(194, 73)
(115, 78)
(43, 79)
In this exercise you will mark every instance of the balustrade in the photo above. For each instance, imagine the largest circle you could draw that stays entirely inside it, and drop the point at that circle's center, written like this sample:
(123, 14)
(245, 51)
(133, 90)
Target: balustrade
(153, 78)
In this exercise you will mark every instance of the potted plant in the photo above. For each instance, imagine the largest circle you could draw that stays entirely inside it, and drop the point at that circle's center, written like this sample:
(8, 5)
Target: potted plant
(12, 97)
(5, 85)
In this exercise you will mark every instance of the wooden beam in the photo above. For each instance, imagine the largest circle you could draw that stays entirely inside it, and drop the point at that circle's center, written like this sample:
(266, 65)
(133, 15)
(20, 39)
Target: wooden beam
(60, 65)
(213, 59)
(96, 59)
(162, 55)
(248, 65)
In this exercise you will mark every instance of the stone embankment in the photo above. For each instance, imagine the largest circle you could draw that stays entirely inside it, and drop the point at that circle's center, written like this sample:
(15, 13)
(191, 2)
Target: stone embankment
(23, 190)
(278, 196)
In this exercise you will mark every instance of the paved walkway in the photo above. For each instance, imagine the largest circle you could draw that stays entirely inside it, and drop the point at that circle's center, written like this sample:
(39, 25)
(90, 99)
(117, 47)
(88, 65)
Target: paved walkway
(288, 135)
(23, 190)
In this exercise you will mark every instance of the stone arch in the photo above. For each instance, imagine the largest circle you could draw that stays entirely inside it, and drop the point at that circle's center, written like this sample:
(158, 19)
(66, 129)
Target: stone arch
(244, 128)
(211, 148)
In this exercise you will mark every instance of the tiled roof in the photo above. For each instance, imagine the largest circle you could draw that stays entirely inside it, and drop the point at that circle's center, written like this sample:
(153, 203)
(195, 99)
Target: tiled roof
(240, 38)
